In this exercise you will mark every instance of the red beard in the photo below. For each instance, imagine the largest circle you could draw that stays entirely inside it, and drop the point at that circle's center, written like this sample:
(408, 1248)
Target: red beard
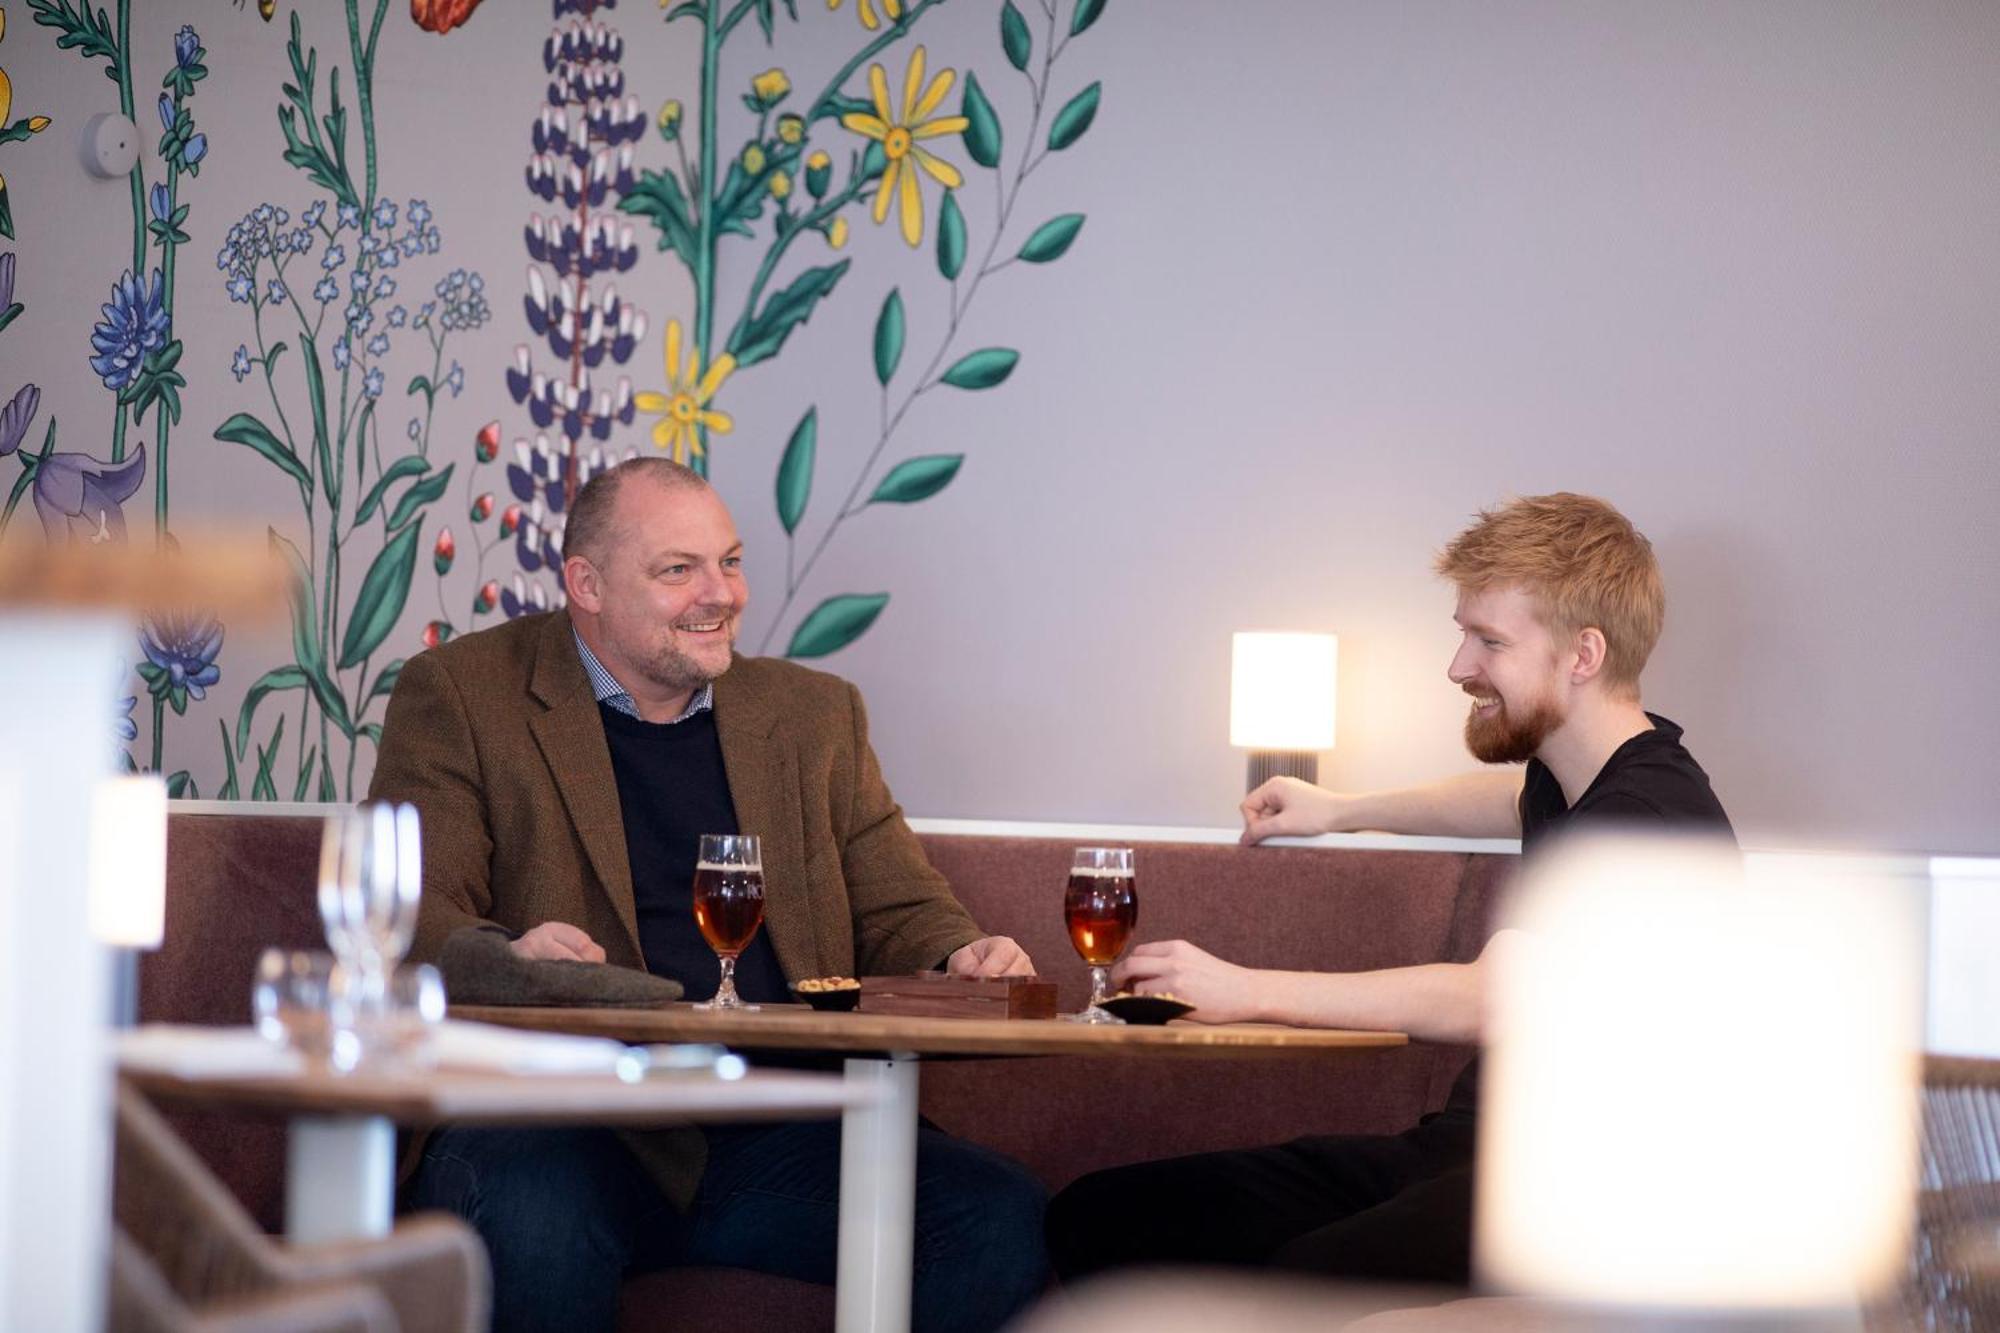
(1506, 738)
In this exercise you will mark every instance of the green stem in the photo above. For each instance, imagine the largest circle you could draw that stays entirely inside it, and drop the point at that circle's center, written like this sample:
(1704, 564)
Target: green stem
(807, 222)
(159, 731)
(21, 484)
(137, 174)
(160, 423)
(821, 107)
(706, 236)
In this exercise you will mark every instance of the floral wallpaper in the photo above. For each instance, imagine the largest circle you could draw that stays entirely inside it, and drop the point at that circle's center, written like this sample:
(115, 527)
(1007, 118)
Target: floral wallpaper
(347, 362)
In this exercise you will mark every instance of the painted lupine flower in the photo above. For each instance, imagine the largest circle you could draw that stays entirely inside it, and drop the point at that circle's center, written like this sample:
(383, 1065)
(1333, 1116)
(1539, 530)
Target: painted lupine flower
(899, 136)
(180, 657)
(135, 324)
(523, 598)
(15, 416)
(81, 497)
(892, 9)
(580, 164)
(683, 408)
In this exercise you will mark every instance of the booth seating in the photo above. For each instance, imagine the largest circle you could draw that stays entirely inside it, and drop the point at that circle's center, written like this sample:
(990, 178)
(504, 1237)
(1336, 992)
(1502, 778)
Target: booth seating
(238, 883)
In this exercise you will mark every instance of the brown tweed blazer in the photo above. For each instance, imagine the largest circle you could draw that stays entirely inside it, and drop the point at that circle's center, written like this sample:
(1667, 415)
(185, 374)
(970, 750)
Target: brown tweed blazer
(497, 740)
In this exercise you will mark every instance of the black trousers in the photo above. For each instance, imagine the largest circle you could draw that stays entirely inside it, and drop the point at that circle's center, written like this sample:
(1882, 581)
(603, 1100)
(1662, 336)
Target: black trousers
(1378, 1207)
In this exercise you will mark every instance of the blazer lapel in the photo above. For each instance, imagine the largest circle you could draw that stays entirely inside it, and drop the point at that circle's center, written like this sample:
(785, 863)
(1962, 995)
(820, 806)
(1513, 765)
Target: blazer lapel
(764, 787)
(571, 737)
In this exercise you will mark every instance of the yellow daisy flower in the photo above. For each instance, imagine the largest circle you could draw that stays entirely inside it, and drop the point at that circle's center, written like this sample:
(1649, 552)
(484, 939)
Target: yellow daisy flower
(892, 8)
(899, 137)
(683, 407)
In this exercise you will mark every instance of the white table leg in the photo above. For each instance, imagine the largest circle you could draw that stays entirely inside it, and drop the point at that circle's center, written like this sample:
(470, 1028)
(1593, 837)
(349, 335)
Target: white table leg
(340, 1177)
(878, 1199)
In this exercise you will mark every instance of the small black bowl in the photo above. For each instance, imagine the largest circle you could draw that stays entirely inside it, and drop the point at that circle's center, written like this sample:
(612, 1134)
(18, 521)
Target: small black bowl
(843, 999)
(1149, 1010)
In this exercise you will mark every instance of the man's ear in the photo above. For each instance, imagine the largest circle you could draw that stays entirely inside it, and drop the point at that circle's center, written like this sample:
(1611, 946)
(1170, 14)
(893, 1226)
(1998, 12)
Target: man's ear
(580, 581)
(1589, 649)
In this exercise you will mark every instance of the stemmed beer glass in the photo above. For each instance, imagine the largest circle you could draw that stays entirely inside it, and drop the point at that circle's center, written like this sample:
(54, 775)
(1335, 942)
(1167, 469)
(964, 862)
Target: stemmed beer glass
(729, 905)
(1101, 906)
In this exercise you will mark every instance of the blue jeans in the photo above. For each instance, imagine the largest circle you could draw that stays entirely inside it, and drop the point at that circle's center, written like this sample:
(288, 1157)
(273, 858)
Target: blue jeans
(566, 1213)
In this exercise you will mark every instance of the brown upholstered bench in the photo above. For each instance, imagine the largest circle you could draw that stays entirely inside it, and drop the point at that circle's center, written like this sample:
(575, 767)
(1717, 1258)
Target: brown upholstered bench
(240, 882)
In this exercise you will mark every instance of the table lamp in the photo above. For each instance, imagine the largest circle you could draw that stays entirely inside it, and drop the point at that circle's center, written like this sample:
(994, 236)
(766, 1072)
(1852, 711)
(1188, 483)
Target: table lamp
(1281, 689)
(1700, 1086)
(128, 878)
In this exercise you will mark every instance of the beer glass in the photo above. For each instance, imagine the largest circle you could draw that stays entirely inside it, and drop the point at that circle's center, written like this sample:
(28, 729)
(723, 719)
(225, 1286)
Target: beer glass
(728, 905)
(1101, 906)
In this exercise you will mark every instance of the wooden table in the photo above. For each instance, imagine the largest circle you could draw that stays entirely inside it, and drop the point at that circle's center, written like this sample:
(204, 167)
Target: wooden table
(340, 1155)
(878, 1141)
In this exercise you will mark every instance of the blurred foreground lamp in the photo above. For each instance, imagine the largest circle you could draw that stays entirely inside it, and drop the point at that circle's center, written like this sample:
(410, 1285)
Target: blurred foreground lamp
(128, 877)
(1700, 1096)
(1281, 702)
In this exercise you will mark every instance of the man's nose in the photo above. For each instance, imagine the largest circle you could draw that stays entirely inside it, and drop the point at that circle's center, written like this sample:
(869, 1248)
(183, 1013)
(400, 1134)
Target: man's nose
(1460, 671)
(716, 587)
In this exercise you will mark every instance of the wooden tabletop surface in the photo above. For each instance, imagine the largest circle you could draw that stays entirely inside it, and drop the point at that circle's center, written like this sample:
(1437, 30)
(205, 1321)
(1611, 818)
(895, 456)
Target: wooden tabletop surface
(792, 1027)
(515, 1099)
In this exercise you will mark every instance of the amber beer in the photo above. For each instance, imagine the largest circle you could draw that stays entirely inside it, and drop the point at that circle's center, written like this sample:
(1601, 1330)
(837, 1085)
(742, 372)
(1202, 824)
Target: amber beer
(1102, 907)
(728, 906)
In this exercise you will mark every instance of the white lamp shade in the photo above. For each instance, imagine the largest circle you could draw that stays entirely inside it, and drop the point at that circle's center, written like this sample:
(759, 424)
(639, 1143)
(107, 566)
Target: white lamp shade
(128, 862)
(1699, 1091)
(1281, 690)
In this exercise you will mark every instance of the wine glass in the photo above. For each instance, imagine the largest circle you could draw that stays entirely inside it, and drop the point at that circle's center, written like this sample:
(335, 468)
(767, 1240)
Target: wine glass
(1101, 906)
(370, 881)
(729, 905)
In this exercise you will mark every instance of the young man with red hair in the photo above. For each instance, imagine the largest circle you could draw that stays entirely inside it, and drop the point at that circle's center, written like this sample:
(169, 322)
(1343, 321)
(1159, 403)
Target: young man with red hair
(1559, 606)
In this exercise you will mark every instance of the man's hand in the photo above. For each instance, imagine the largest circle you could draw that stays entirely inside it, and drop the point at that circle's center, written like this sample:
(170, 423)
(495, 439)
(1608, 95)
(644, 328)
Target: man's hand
(993, 956)
(1289, 808)
(558, 939)
(1220, 992)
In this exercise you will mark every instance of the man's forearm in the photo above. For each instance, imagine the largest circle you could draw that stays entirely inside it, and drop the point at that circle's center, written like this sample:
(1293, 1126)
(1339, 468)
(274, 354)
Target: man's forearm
(1433, 1002)
(1485, 804)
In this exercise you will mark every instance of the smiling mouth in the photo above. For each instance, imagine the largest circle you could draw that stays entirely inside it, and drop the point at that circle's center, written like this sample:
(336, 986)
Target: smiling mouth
(700, 627)
(1481, 704)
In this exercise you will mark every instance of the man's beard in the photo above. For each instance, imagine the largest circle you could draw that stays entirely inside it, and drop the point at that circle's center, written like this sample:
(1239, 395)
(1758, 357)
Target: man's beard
(1506, 738)
(671, 669)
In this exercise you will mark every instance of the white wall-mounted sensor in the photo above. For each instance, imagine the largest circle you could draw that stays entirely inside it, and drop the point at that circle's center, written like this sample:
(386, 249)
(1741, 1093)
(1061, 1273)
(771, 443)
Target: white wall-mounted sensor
(110, 145)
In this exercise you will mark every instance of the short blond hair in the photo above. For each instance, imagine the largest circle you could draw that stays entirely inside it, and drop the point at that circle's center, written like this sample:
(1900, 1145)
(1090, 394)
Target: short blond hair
(1581, 560)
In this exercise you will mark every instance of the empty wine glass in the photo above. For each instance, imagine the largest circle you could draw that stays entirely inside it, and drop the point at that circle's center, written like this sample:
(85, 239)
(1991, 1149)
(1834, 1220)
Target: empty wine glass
(370, 881)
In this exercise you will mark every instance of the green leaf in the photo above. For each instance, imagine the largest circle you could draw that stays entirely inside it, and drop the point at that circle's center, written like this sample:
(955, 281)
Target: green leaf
(380, 602)
(759, 338)
(1052, 239)
(916, 479)
(384, 683)
(413, 500)
(322, 442)
(327, 791)
(1087, 13)
(282, 678)
(658, 196)
(835, 623)
(373, 731)
(305, 635)
(12, 312)
(1074, 118)
(795, 470)
(247, 430)
(1014, 37)
(982, 135)
(227, 792)
(982, 369)
(262, 788)
(951, 237)
(889, 337)
(408, 465)
(304, 784)
(181, 785)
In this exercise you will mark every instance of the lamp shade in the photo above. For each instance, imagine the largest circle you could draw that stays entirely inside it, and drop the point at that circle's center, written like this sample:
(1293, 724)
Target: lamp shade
(1700, 1081)
(1281, 690)
(128, 862)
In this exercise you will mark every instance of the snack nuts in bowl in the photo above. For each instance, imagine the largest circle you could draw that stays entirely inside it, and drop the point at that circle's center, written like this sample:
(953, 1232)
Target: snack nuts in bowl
(829, 992)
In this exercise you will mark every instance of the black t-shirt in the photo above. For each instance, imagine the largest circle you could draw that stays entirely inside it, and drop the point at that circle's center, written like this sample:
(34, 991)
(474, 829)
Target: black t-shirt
(1649, 784)
(672, 788)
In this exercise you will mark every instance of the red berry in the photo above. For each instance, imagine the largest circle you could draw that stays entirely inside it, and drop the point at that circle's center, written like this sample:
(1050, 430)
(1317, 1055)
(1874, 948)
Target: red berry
(444, 551)
(487, 445)
(436, 633)
(510, 520)
(489, 596)
(482, 508)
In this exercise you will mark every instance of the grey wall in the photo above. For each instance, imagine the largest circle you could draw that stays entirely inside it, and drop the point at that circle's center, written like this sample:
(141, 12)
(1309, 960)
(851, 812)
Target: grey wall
(1349, 273)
